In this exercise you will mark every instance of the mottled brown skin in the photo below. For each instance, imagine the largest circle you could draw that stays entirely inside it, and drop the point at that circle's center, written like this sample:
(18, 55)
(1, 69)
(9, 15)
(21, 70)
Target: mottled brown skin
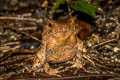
(59, 44)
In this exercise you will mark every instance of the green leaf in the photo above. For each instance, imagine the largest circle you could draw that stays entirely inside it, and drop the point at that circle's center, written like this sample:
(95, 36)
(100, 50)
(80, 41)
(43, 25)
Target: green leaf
(84, 7)
(57, 4)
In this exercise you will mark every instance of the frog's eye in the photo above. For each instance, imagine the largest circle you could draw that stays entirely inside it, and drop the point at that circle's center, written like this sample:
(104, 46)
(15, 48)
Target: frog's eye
(50, 25)
(76, 21)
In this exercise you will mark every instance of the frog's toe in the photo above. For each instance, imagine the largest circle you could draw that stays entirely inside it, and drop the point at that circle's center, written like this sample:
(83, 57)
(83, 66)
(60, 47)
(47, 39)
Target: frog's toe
(51, 71)
(37, 67)
(77, 64)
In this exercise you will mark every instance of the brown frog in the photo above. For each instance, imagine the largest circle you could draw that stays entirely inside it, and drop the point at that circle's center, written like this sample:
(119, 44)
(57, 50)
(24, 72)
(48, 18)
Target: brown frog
(60, 44)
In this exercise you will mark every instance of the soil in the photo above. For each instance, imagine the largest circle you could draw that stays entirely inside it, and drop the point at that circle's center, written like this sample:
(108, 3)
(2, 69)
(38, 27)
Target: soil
(20, 18)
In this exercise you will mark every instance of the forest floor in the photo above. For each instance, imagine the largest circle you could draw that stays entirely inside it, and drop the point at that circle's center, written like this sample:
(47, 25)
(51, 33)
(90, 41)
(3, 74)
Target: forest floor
(102, 44)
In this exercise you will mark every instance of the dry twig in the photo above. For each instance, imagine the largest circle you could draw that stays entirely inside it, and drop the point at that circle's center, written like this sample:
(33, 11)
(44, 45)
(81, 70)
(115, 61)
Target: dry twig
(22, 32)
(18, 18)
(103, 43)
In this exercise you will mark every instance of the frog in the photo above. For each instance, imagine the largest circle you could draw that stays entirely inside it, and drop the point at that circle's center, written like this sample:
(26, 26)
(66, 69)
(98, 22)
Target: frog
(60, 44)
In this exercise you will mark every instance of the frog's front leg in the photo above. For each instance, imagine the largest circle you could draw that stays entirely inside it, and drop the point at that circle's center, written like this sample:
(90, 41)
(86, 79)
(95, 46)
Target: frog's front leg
(78, 59)
(38, 64)
(78, 62)
(39, 59)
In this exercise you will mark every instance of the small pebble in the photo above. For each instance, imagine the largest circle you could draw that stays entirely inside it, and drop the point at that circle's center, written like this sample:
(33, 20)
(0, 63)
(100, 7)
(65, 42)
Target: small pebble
(108, 47)
(13, 37)
(89, 44)
(32, 47)
(116, 49)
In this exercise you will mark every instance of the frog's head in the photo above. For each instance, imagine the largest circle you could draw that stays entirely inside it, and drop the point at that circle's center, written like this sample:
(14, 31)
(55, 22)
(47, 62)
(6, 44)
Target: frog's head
(71, 21)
